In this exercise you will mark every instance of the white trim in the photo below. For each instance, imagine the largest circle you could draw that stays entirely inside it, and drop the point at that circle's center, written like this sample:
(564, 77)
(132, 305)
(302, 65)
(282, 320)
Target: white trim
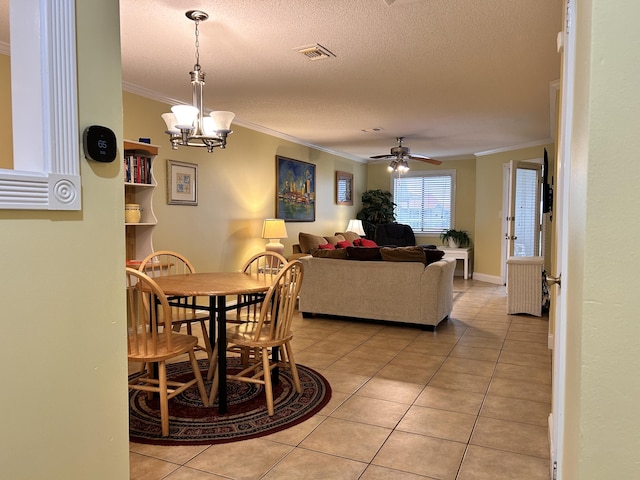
(536, 143)
(46, 173)
(152, 95)
(481, 277)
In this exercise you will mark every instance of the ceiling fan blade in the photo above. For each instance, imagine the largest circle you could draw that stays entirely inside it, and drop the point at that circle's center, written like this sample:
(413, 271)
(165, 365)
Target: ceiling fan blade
(383, 156)
(422, 158)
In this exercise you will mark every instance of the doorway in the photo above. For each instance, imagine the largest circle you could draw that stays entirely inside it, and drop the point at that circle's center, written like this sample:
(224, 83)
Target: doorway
(522, 225)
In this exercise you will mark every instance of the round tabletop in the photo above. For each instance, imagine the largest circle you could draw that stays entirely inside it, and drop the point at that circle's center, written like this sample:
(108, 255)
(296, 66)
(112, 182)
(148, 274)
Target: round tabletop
(213, 284)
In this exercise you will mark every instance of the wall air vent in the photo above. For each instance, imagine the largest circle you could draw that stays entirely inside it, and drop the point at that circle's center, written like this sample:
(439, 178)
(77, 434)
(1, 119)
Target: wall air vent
(315, 52)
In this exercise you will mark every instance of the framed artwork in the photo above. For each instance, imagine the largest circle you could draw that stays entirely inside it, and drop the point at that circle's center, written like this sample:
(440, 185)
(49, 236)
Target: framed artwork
(344, 188)
(295, 190)
(182, 183)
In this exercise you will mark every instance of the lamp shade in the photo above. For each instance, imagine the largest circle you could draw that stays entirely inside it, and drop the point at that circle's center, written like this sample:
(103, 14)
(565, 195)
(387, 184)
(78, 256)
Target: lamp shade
(355, 226)
(222, 120)
(274, 228)
(171, 121)
(186, 115)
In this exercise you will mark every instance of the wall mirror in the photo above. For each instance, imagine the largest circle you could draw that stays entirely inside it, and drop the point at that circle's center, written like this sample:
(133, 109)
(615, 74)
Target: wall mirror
(46, 165)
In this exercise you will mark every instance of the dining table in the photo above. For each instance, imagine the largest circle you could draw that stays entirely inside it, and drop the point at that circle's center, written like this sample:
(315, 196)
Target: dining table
(216, 286)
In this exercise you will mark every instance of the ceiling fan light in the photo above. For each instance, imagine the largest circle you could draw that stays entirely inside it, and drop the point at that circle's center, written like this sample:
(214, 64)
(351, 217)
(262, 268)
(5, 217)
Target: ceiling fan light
(186, 115)
(222, 120)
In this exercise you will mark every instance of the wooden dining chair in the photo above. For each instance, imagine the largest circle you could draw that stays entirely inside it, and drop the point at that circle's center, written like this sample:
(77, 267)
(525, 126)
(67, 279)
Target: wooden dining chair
(167, 262)
(272, 330)
(266, 264)
(149, 345)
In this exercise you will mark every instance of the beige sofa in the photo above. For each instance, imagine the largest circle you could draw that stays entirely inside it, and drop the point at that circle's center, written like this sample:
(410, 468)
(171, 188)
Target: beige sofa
(406, 292)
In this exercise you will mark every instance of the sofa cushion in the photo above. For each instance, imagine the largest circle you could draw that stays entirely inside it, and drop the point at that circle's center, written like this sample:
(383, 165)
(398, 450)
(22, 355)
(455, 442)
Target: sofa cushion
(344, 244)
(334, 239)
(349, 236)
(363, 253)
(403, 254)
(433, 255)
(327, 246)
(309, 242)
(339, 253)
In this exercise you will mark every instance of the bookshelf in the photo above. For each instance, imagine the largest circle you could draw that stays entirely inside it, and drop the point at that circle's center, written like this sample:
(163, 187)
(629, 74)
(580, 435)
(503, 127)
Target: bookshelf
(139, 185)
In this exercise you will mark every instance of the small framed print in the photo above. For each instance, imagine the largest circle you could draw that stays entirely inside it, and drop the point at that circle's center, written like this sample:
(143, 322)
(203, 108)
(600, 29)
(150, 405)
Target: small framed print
(182, 183)
(344, 188)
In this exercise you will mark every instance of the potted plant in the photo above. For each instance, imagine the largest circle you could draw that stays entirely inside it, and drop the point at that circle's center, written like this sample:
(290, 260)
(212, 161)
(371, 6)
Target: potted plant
(377, 208)
(455, 238)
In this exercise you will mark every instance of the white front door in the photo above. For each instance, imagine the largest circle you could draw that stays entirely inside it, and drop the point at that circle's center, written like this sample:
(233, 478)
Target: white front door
(558, 313)
(523, 221)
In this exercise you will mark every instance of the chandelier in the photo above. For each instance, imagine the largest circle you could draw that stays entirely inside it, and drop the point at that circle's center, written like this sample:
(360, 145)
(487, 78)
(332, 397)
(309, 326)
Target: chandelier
(187, 125)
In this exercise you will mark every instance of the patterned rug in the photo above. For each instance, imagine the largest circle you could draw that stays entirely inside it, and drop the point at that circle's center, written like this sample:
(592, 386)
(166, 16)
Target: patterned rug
(190, 423)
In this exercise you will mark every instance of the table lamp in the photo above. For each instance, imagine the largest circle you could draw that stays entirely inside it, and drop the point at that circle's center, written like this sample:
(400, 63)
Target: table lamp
(274, 229)
(355, 226)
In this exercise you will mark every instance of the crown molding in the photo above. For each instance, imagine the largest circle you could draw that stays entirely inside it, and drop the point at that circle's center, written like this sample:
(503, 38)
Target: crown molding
(536, 143)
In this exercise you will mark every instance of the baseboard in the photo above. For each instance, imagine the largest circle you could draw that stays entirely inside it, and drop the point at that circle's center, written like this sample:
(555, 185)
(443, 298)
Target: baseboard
(487, 278)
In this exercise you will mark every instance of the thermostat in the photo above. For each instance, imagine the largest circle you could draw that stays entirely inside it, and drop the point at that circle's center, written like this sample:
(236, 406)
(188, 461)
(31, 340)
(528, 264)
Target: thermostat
(99, 144)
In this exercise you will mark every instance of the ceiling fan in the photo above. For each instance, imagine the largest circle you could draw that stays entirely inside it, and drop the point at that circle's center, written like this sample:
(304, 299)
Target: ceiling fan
(400, 155)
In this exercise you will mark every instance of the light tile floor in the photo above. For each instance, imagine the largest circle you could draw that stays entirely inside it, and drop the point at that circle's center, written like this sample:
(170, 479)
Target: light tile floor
(467, 402)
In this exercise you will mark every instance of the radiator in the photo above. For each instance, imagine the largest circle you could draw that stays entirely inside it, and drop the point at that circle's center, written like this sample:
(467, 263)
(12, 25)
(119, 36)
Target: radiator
(524, 285)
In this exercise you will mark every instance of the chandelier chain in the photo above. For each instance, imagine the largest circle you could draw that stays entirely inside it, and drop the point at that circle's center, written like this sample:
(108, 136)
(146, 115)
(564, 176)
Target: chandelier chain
(197, 65)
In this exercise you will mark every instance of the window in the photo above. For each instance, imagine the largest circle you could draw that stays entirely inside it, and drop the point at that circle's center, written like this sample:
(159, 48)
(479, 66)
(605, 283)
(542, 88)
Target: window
(425, 200)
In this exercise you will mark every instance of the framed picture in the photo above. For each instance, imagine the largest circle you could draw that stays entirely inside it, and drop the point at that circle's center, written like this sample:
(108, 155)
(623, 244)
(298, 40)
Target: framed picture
(295, 190)
(182, 183)
(344, 188)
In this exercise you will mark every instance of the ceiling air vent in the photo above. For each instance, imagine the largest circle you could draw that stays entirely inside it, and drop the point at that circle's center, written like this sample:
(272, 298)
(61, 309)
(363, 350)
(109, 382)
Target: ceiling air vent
(315, 52)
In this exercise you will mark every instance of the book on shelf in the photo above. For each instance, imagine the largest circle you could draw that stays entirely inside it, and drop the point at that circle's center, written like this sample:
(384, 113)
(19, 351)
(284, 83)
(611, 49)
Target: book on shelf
(137, 168)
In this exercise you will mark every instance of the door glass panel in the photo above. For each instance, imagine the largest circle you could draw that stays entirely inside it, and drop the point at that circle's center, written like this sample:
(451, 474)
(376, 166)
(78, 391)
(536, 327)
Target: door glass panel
(527, 212)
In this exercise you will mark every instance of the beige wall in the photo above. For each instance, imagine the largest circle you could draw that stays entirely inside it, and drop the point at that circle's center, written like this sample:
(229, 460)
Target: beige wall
(6, 138)
(236, 191)
(62, 348)
(602, 425)
(379, 177)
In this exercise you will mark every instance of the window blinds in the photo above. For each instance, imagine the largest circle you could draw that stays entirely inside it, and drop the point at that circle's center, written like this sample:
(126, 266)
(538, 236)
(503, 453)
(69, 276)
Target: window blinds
(425, 201)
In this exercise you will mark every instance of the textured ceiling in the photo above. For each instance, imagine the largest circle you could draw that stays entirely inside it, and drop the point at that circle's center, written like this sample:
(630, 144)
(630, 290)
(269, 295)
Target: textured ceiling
(454, 77)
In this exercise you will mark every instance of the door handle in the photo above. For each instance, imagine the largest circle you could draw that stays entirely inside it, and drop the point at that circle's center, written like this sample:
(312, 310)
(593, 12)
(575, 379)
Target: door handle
(554, 280)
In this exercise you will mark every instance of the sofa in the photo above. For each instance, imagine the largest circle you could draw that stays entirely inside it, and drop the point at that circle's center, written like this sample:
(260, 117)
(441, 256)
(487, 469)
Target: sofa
(408, 285)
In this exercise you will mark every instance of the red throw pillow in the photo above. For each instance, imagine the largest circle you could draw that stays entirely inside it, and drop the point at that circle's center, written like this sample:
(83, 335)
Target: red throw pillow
(344, 244)
(327, 246)
(367, 243)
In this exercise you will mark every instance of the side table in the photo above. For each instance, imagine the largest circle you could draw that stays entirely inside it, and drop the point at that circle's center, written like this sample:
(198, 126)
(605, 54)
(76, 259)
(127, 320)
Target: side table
(464, 254)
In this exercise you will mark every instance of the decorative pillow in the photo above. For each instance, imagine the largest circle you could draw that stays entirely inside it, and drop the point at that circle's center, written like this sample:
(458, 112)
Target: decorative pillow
(403, 254)
(433, 255)
(344, 244)
(364, 242)
(335, 239)
(349, 236)
(363, 253)
(327, 246)
(309, 242)
(340, 253)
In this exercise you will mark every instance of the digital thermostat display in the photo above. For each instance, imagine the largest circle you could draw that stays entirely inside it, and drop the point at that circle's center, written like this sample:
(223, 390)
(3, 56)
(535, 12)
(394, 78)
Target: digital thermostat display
(99, 144)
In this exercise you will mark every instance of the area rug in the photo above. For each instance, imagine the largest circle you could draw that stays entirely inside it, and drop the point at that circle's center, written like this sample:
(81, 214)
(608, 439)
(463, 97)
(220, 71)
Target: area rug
(190, 423)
